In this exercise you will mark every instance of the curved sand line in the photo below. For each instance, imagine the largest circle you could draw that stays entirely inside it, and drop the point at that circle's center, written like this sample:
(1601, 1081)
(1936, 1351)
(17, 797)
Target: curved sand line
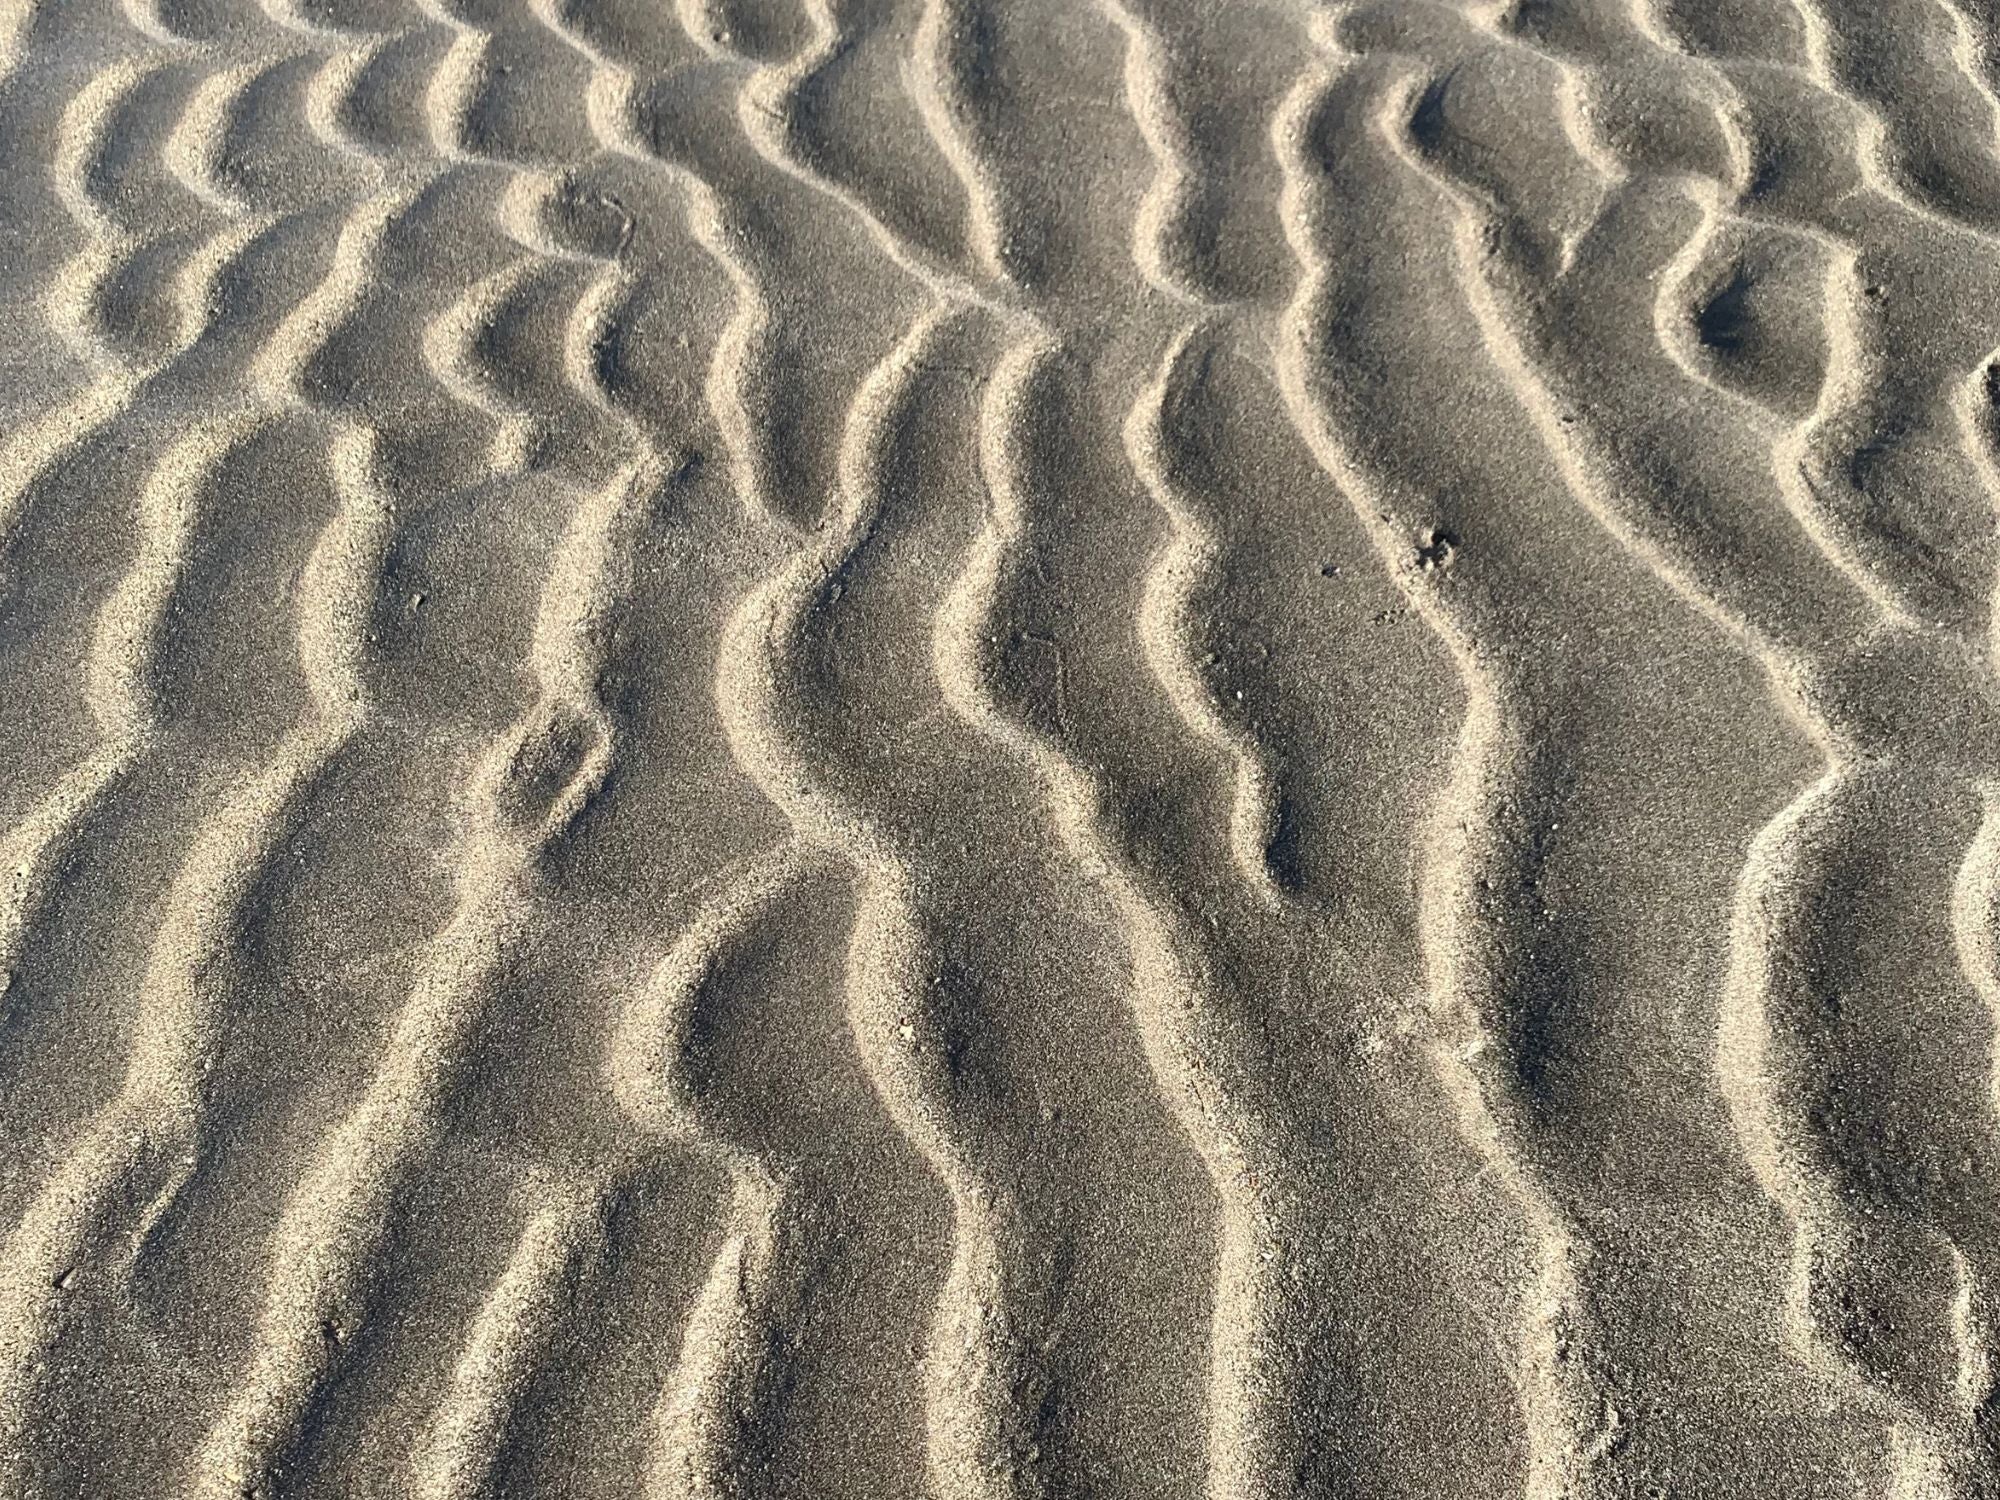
(1501, 337)
(967, 1378)
(1157, 242)
(336, 1218)
(142, 1147)
(145, 1141)
(1167, 983)
(455, 1454)
(713, 1400)
(1555, 1415)
(1167, 611)
(1823, 1225)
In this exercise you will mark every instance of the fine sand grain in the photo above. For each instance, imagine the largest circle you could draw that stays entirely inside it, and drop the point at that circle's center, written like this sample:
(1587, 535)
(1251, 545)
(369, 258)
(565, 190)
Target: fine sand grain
(999, 749)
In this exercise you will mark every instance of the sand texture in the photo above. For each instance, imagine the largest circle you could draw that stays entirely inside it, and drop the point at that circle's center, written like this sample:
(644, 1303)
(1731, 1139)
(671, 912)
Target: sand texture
(999, 749)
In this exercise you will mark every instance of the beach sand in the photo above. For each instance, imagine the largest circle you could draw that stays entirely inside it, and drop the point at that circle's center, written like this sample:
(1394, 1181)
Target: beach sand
(999, 749)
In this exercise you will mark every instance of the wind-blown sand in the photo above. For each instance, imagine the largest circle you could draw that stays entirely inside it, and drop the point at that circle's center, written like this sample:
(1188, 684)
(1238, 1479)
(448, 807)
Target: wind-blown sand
(999, 749)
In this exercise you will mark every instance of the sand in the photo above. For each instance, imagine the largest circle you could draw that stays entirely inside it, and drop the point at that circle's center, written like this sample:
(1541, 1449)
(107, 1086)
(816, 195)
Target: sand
(999, 749)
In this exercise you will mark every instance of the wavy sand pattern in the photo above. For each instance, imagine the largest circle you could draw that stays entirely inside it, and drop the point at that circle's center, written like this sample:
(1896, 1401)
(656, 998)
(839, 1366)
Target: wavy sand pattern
(999, 749)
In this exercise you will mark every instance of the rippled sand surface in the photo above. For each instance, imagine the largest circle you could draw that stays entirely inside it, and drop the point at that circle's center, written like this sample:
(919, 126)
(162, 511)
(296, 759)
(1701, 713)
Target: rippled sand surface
(999, 749)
